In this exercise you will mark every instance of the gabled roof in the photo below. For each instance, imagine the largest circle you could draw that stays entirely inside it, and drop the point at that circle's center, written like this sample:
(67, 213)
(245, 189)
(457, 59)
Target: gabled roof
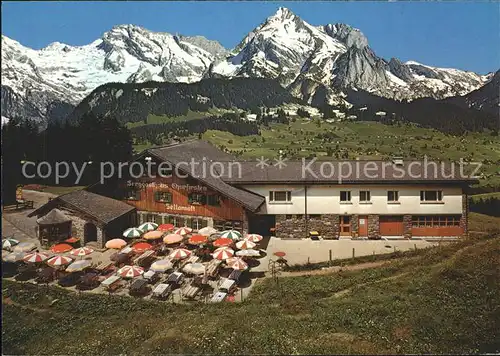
(201, 151)
(101, 208)
(346, 172)
(55, 216)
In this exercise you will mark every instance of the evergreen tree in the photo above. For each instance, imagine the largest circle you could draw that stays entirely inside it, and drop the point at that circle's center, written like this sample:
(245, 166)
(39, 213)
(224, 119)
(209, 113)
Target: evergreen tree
(303, 113)
(19, 143)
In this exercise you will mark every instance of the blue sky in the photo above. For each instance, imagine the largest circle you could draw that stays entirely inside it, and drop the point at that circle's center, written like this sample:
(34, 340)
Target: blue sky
(446, 34)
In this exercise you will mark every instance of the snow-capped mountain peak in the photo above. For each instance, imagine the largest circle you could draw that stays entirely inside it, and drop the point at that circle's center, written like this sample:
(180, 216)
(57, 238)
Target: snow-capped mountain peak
(315, 63)
(126, 53)
(282, 14)
(282, 47)
(332, 57)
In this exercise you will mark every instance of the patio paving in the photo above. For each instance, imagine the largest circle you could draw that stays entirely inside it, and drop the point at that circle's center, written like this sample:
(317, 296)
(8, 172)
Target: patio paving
(307, 250)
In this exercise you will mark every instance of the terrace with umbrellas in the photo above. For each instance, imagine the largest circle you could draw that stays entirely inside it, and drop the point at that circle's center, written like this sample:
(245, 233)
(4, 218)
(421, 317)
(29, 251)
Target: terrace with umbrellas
(149, 261)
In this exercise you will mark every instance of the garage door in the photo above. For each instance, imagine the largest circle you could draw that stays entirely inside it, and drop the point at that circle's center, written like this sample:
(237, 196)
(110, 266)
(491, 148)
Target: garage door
(436, 225)
(391, 225)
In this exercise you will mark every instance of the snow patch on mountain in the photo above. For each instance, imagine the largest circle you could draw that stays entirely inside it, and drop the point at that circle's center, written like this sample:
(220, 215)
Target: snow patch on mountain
(315, 63)
(126, 53)
(309, 58)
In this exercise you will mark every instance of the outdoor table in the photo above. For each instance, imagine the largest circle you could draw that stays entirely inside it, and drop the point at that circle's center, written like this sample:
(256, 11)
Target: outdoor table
(90, 277)
(191, 291)
(143, 257)
(46, 275)
(175, 277)
(151, 276)
(104, 266)
(218, 297)
(190, 259)
(127, 250)
(121, 258)
(227, 284)
(138, 284)
(235, 275)
(110, 281)
(88, 280)
(213, 267)
(162, 290)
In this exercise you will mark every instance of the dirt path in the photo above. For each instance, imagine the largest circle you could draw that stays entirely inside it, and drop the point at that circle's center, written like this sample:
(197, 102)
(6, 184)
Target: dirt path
(328, 270)
(348, 290)
(8, 301)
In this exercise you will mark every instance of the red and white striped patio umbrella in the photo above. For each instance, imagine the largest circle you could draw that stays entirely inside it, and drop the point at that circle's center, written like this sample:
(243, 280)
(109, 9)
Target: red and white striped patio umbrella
(59, 261)
(223, 253)
(81, 251)
(238, 264)
(248, 253)
(130, 271)
(179, 254)
(35, 257)
(245, 244)
(183, 231)
(254, 237)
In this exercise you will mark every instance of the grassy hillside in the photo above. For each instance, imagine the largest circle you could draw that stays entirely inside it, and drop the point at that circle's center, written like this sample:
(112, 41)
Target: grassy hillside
(482, 222)
(484, 197)
(444, 301)
(366, 140)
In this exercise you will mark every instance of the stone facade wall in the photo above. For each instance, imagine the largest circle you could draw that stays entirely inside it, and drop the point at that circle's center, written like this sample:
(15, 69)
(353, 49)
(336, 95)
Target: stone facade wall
(355, 225)
(295, 226)
(407, 225)
(373, 227)
(464, 219)
(78, 222)
(101, 238)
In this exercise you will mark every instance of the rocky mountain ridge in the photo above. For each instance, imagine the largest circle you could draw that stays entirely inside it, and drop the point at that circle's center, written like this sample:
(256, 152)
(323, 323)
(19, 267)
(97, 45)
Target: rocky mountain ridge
(314, 63)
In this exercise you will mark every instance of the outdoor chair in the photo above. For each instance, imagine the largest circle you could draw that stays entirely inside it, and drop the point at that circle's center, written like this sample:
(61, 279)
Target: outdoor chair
(69, 280)
(235, 275)
(162, 291)
(45, 276)
(24, 204)
(139, 288)
(26, 273)
(281, 261)
(88, 281)
(9, 269)
(114, 287)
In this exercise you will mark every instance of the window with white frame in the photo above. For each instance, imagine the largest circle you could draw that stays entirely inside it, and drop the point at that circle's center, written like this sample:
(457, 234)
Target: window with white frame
(364, 196)
(431, 196)
(276, 196)
(393, 196)
(345, 196)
